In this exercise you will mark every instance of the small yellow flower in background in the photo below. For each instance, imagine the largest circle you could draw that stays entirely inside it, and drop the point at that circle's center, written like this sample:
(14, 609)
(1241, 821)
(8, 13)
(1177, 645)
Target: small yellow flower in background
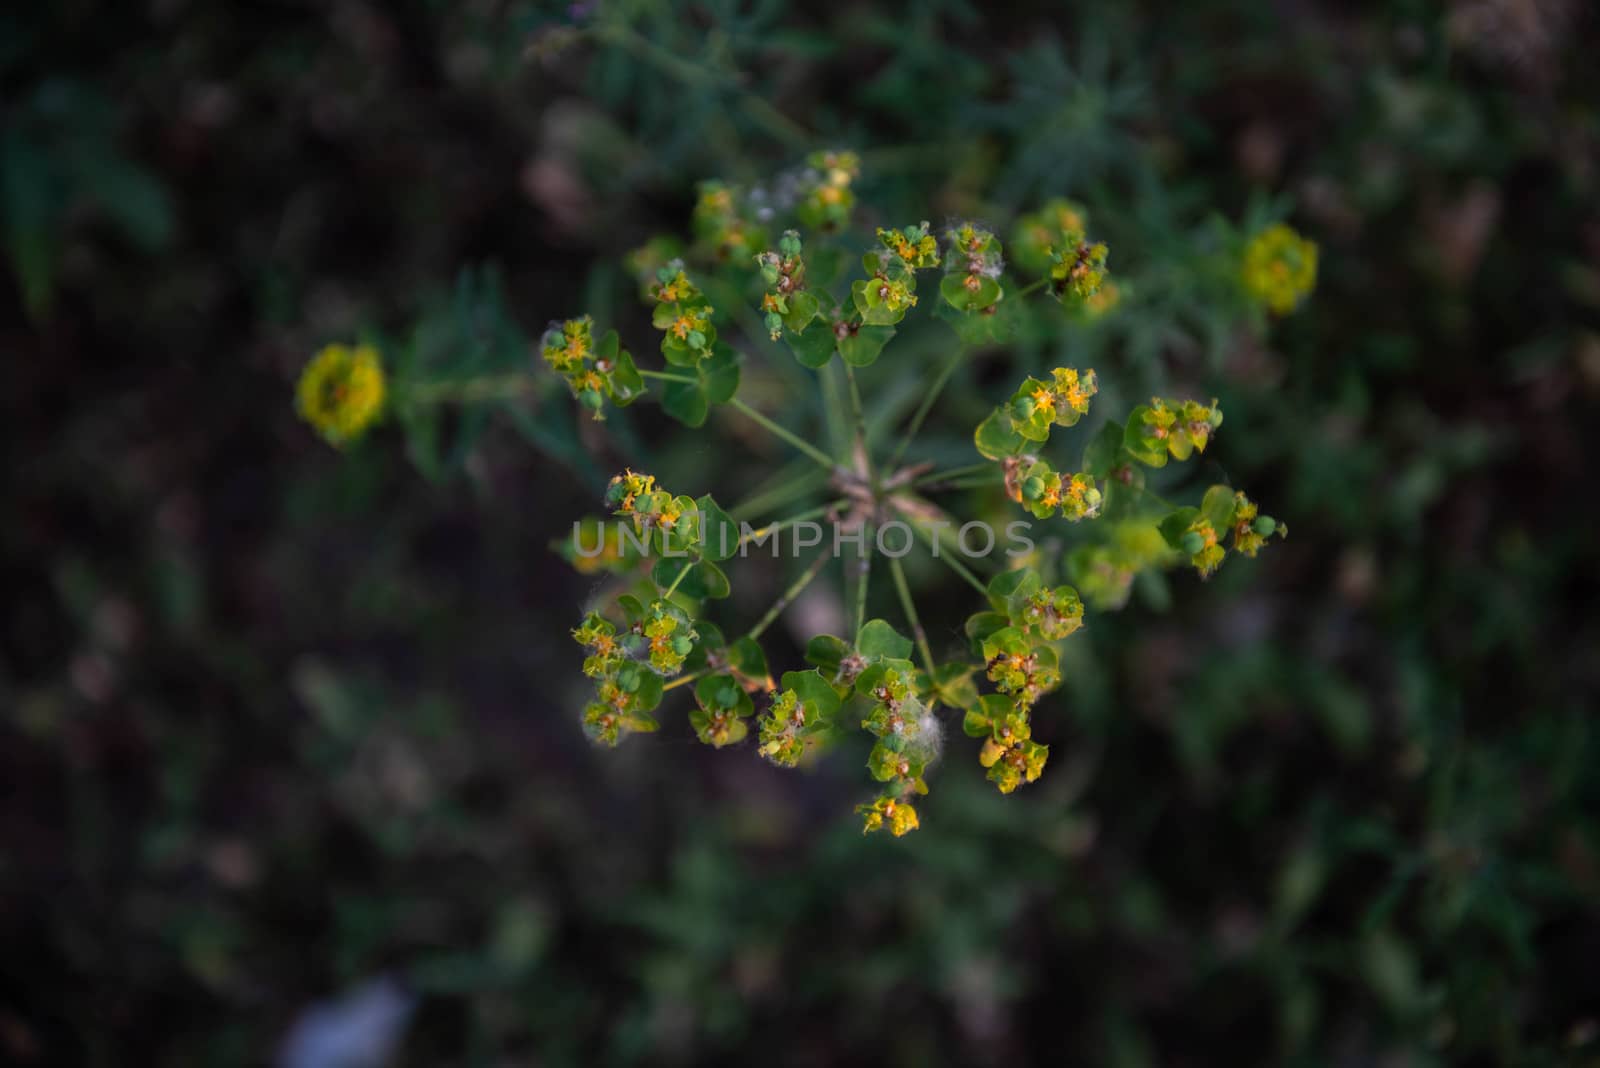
(1102, 300)
(341, 392)
(1280, 268)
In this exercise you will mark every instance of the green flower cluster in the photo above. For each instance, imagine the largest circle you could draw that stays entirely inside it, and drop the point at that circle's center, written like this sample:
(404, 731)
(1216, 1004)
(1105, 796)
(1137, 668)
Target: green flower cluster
(1170, 427)
(915, 245)
(1043, 491)
(972, 266)
(1037, 406)
(1015, 639)
(1078, 271)
(1199, 533)
(683, 315)
(628, 690)
(1279, 269)
(799, 712)
(786, 304)
(594, 372)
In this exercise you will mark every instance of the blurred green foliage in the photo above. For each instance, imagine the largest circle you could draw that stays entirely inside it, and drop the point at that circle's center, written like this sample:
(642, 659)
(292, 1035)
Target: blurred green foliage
(279, 720)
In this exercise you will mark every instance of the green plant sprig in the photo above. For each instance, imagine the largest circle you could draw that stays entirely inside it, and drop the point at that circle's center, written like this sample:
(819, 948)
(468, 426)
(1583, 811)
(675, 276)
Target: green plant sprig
(653, 633)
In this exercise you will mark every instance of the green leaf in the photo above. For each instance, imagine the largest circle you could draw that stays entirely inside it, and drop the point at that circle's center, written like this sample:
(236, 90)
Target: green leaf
(803, 308)
(710, 580)
(827, 652)
(716, 381)
(705, 579)
(861, 348)
(815, 347)
(1217, 506)
(719, 374)
(814, 691)
(1007, 584)
(954, 684)
(1174, 526)
(995, 437)
(747, 658)
(1152, 452)
(686, 402)
(711, 640)
(879, 639)
(719, 534)
(980, 626)
(1104, 451)
(723, 692)
(627, 385)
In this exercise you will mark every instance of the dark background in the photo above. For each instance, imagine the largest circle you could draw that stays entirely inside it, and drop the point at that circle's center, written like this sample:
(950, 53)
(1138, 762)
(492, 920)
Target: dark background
(281, 720)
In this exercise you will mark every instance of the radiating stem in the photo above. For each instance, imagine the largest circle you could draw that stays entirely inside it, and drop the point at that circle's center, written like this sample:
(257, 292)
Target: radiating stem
(859, 418)
(910, 608)
(954, 472)
(951, 562)
(668, 377)
(962, 483)
(770, 528)
(789, 595)
(863, 577)
(793, 439)
(781, 491)
(672, 589)
(925, 407)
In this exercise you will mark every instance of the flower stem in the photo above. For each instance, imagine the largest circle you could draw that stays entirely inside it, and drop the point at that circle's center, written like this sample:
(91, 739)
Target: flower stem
(961, 484)
(770, 528)
(1031, 287)
(789, 595)
(860, 421)
(926, 406)
(688, 566)
(954, 472)
(668, 377)
(863, 576)
(952, 563)
(910, 608)
(789, 436)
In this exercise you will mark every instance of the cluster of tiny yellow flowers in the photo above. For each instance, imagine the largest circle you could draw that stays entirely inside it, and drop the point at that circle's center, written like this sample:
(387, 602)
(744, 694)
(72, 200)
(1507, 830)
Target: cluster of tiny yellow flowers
(1078, 271)
(593, 371)
(1019, 667)
(1037, 405)
(1171, 427)
(341, 392)
(915, 245)
(1280, 268)
(1251, 529)
(1009, 752)
(780, 739)
(683, 315)
(1045, 492)
(886, 812)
